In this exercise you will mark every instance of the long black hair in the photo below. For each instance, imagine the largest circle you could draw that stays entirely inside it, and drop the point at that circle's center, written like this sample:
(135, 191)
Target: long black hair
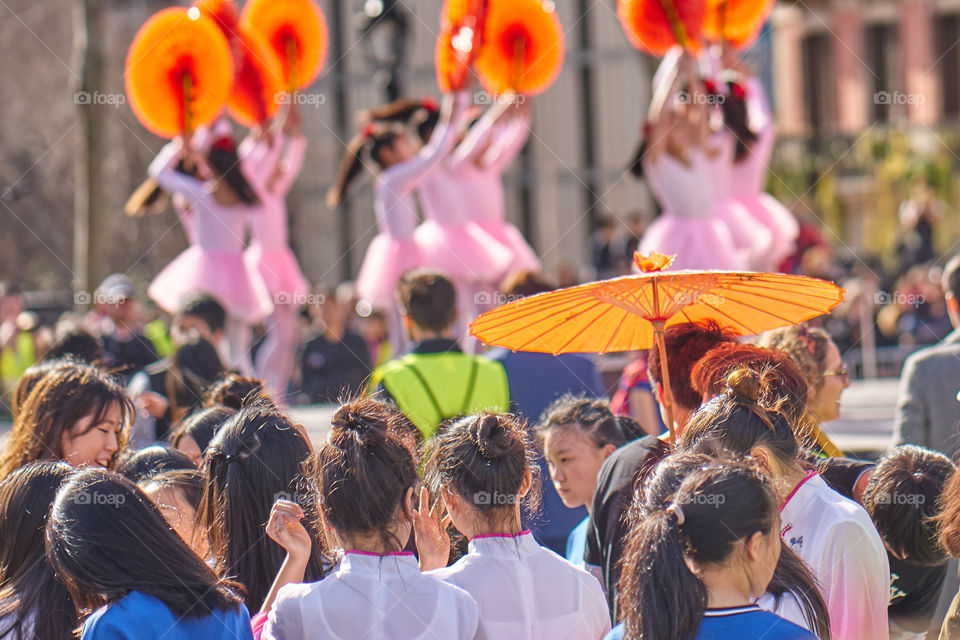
(720, 505)
(368, 144)
(791, 576)
(106, 538)
(737, 119)
(226, 166)
(33, 601)
(255, 458)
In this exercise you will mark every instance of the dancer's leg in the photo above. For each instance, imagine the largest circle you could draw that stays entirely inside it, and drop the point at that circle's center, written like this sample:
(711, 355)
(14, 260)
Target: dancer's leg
(239, 340)
(275, 357)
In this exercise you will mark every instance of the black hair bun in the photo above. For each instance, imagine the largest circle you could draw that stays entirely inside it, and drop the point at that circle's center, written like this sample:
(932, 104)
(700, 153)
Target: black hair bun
(491, 436)
(364, 419)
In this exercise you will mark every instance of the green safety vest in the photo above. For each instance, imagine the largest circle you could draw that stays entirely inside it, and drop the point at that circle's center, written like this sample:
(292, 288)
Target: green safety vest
(431, 387)
(16, 359)
(156, 332)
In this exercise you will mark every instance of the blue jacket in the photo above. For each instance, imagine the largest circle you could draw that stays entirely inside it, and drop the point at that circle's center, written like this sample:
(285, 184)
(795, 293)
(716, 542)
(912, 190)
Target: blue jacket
(138, 616)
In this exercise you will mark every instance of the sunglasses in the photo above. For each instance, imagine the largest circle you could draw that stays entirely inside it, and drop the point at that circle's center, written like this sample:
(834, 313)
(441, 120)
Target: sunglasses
(843, 372)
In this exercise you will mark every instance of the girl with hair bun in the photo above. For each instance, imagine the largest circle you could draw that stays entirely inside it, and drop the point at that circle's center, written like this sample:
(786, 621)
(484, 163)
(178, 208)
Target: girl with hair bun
(832, 534)
(483, 469)
(364, 479)
(697, 564)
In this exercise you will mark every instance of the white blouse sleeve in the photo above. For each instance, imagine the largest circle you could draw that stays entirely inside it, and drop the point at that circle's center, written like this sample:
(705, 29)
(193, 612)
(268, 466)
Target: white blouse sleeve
(285, 620)
(856, 582)
(162, 169)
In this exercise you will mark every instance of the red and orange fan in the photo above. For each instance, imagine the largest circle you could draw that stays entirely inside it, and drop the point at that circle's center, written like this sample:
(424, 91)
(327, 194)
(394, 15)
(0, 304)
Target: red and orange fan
(522, 48)
(297, 32)
(735, 21)
(259, 81)
(225, 15)
(179, 72)
(656, 25)
(460, 39)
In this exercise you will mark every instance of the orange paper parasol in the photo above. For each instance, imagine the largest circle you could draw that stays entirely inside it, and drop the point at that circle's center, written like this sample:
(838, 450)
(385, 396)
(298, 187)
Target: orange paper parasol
(522, 48)
(297, 31)
(178, 72)
(258, 82)
(736, 21)
(656, 25)
(629, 313)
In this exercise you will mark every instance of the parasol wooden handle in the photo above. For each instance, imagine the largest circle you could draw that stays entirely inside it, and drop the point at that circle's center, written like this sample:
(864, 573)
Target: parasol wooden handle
(658, 329)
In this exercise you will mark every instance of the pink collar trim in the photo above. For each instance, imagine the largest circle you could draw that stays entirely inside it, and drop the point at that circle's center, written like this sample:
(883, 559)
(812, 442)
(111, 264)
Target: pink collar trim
(810, 474)
(377, 555)
(501, 535)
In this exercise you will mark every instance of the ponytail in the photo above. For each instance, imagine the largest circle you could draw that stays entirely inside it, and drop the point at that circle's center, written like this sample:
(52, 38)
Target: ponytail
(660, 597)
(371, 141)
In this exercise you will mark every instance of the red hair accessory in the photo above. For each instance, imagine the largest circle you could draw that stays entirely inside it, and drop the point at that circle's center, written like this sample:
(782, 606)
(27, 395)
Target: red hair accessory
(738, 90)
(369, 131)
(646, 128)
(429, 104)
(224, 143)
(711, 87)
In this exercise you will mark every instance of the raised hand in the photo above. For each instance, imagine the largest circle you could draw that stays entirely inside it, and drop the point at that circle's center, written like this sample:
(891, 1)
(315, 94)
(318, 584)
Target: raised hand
(430, 529)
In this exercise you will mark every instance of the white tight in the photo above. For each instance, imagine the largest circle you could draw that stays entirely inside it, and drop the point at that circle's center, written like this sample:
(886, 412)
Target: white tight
(239, 339)
(276, 354)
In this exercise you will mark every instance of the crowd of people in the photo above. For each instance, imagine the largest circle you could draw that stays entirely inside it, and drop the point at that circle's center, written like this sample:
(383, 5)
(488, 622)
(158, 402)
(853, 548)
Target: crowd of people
(462, 496)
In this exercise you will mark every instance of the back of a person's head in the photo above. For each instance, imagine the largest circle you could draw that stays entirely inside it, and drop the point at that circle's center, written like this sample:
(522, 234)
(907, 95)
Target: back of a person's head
(236, 392)
(143, 463)
(785, 388)
(714, 510)
(522, 284)
(591, 416)
(29, 380)
(202, 425)
(903, 500)
(808, 347)
(106, 538)
(736, 422)
(194, 368)
(685, 344)
(485, 459)
(364, 472)
(207, 309)
(59, 400)
(254, 459)
(950, 280)
(76, 344)
(428, 297)
(32, 599)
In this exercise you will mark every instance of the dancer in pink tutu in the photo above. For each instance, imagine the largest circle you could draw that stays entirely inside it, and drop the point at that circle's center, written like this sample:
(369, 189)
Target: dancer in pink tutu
(220, 198)
(273, 161)
(675, 159)
(478, 165)
(748, 174)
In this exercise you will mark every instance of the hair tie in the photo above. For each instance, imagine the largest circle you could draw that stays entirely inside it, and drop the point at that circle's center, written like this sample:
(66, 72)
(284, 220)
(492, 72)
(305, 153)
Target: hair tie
(738, 90)
(429, 104)
(710, 86)
(675, 509)
(369, 131)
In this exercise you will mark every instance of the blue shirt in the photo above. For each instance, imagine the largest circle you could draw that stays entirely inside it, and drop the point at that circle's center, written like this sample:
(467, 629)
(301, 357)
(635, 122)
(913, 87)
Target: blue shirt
(577, 543)
(138, 616)
(738, 623)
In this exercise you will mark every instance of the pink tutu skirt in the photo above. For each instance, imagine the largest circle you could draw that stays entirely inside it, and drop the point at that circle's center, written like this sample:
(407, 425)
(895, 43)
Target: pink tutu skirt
(386, 259)
(698, 243)
(280, 272)
(749, 238)
(524, 258)
(221, 274)
(467, 253)
(783, 227)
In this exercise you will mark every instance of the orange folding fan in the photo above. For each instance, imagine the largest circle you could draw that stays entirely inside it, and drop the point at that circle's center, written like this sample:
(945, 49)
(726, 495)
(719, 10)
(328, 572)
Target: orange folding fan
(522, 48)
(736, 21)
(297, 31)
(178, 72)
(258, 84)
(656, 25)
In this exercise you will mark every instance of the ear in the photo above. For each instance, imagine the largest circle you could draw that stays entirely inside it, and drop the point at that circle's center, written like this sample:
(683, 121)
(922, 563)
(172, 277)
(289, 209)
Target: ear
(607, 450)
(763, 458)
(408, 504)
(526, 484)
(661, 395)
(752, 545)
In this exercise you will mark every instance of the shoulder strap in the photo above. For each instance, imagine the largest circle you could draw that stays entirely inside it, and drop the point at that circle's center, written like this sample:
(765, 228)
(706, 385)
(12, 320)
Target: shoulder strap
(412, 367)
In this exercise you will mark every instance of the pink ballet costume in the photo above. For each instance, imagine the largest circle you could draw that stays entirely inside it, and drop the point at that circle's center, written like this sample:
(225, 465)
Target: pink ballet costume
(447, 239)
(478, 164)
(687, 226)
(749, 238)
(748, 178)
(214, 264)
(272, 170)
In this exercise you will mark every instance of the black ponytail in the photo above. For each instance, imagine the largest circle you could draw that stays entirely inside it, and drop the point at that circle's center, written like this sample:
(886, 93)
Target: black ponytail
(736, 119)
(226, 165)
(367, 144)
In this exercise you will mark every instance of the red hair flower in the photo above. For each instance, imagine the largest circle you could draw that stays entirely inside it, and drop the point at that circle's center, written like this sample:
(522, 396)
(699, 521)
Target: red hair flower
(710, 86)
(224, 143)
(738, 90)
(369, 131)
(429, 104)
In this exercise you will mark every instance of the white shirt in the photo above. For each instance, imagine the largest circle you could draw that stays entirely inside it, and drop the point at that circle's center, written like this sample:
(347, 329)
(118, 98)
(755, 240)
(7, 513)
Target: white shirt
(840, 544)
(371, 597)
(528, 592)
